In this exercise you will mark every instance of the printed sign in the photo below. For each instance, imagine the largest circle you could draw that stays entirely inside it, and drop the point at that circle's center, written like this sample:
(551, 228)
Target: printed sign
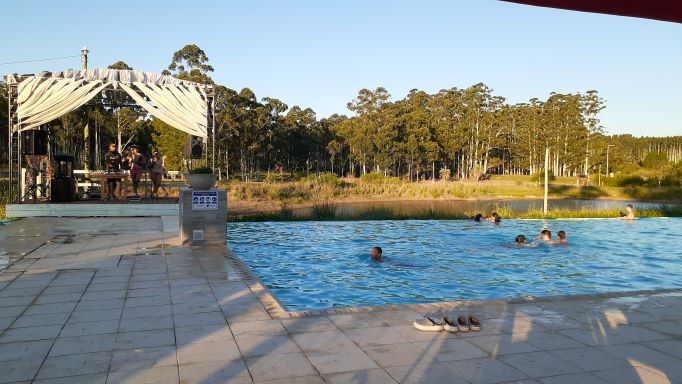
(204, 200)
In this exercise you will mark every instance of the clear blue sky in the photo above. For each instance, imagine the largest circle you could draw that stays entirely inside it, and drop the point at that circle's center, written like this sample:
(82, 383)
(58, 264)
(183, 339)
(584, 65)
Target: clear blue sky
(318, 54)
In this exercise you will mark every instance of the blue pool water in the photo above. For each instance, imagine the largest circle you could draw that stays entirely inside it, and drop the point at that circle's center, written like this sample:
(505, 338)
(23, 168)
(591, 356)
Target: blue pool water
(313, 265)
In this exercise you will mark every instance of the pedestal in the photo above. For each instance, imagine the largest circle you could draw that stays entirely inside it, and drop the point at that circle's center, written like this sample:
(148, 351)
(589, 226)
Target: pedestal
(203, 217)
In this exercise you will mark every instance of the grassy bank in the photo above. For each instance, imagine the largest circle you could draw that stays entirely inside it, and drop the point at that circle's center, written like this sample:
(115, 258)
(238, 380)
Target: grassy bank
(327, 211)
(312, 191)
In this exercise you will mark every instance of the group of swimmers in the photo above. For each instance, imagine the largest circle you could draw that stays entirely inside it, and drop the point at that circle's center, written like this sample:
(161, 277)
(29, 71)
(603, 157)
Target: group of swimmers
(493, 218)
(545, 236)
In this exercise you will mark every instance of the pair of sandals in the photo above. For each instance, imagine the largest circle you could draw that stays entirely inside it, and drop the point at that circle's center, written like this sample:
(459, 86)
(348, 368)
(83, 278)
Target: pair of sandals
(461, 324)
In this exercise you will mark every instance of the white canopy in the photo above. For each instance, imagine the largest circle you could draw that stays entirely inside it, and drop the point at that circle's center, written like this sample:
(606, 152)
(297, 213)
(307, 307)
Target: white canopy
(46, 96)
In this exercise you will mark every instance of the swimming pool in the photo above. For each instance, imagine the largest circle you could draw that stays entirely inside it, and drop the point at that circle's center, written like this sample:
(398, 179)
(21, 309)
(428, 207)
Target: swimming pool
(315, 265)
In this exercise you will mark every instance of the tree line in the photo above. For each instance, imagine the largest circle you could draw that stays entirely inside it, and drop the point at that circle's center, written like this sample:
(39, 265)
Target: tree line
(461, 133)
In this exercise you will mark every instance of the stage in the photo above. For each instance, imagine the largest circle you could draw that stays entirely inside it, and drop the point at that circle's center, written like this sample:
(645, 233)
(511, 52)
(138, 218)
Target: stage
(96, 208)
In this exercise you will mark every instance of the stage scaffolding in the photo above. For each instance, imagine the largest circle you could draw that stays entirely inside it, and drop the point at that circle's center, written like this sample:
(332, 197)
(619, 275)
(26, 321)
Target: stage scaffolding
(15, 153)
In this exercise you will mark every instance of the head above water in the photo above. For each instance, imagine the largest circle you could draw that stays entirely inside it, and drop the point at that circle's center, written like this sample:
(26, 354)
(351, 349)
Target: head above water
(478, 217)
(376, 252)
(546, 234)
(496, 217)
(521, 239)
(561, 235)
(629, 207)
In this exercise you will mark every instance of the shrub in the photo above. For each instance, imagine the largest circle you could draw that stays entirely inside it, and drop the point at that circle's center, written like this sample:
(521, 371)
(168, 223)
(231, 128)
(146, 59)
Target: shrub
(540, 176)
(666, 181)
(274, 178)
(323, 178)
(623, 181)
(298, 176)
(373, 178)
(444, 174)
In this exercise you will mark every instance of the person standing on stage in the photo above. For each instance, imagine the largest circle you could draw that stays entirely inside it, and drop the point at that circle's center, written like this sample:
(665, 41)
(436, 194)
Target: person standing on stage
(157, 171)
(112, 162)
(137, 164)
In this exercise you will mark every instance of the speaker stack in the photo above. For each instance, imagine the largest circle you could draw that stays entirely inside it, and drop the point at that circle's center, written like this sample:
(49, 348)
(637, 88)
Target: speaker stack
(34, 142)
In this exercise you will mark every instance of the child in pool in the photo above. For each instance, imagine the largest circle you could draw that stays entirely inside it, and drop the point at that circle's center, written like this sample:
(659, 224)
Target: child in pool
(562, 238)
(375, 253)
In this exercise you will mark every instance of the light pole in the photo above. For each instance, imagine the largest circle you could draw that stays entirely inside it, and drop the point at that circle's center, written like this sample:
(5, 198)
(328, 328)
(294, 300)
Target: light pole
(607, 158)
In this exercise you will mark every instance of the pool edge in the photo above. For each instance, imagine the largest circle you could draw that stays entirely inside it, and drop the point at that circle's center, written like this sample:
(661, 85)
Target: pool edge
(277, 310)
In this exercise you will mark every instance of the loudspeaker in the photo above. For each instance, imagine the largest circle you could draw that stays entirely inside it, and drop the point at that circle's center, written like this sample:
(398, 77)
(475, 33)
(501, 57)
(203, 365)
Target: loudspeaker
(196, 147)
(34, 142)
(61, 190)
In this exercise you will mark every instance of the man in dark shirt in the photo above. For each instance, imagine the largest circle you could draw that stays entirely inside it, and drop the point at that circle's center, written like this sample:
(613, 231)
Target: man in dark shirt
(112, 162)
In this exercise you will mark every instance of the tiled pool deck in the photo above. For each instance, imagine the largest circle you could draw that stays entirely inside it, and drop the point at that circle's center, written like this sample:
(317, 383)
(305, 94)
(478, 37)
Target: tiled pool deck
(118, 301)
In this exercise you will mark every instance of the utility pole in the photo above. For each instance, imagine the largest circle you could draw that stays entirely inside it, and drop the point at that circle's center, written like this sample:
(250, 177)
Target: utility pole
(86, 130)
(544, 206)
(84, 58)
(607, 158)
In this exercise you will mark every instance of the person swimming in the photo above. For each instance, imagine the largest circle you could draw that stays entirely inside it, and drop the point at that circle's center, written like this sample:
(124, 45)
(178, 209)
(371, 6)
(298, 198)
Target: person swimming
(561, 238)
(629, 213)
(545, 235)
(493, 218)
(478, 217)
(375, 253)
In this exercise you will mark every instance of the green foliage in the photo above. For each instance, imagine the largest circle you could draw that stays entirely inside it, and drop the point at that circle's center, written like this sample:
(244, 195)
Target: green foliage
(190, 63)
(623, 181)
(539, 177)
(201, 171)
(373, 178)
(171, 143)
(120, 65)
(655, 160)
(323, 178)
(274, 178)
(328, 212)
(667, 181)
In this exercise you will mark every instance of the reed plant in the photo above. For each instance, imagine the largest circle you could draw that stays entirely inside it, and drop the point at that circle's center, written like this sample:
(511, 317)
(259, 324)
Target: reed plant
(327, 211)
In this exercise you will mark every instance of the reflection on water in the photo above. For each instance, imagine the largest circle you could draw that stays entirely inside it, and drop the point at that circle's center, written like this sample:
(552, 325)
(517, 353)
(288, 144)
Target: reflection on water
(408, 207)
(312, 265)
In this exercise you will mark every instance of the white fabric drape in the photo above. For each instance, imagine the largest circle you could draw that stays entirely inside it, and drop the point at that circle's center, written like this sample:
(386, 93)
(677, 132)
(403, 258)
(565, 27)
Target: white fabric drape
(41, 101)
(170, 109)
(179, 103)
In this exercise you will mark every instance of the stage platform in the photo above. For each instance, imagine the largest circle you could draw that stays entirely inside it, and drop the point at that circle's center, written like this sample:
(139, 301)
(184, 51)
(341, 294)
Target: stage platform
(95, 208)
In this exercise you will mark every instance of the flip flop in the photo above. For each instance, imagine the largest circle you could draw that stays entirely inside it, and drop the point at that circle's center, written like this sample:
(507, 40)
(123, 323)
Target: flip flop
(450, 324)
(463, 323)
(474, 323)
(428, 324)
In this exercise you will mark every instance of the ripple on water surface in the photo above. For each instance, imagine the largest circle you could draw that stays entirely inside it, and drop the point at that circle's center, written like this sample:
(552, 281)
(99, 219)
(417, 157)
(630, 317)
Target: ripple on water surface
(313, 265)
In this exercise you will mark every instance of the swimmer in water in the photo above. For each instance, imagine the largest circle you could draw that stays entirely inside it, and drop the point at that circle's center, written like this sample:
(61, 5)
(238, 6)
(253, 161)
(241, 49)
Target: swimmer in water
(478, 217)
(521, 240)
(375, 253)
(494, 218)
(562, 238)
(545, 235)
(629, 213)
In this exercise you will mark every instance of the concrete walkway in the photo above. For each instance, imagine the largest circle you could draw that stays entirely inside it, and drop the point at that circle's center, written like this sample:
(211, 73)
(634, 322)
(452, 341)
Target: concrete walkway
(117, 301)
